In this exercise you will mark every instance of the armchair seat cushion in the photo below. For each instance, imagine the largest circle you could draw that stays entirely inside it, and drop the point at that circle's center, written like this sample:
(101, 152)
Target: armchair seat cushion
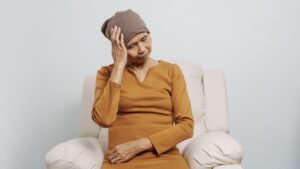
(79, 153)
(213, 149)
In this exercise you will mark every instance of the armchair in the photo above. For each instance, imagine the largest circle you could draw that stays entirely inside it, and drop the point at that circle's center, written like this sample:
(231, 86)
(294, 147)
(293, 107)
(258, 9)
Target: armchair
(211, 146)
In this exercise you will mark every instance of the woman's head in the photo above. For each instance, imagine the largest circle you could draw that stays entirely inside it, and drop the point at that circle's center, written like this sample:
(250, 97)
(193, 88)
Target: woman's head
(129, 21)
(139, 48)
(136, 35)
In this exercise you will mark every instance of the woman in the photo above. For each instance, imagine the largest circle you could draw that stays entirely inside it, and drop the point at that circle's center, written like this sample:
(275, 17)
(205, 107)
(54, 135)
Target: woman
(143, 101)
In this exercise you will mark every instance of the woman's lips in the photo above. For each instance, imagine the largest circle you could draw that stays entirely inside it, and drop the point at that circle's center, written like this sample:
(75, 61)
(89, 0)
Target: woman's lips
(142, 57)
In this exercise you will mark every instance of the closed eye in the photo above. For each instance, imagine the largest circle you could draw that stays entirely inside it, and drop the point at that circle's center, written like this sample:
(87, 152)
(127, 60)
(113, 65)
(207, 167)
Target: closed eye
(144, 38)
(132, 45)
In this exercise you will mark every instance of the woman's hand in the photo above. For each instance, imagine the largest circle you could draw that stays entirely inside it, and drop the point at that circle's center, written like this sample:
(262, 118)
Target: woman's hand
(126, 151)
(119, 50)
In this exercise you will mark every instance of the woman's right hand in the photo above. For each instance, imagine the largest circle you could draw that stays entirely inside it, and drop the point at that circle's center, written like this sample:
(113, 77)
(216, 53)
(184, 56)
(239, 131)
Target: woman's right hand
(119, 50)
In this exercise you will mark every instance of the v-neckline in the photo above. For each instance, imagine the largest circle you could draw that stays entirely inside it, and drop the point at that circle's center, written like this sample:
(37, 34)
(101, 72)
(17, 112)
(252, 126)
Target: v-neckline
(147, 73)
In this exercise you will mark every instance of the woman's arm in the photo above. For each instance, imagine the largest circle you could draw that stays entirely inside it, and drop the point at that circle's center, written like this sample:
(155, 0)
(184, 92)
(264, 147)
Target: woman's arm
(183, 116)
(107, 96)
(108, 85)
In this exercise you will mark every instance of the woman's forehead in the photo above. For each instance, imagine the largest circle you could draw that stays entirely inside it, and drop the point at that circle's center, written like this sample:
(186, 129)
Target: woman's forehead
(137, 38)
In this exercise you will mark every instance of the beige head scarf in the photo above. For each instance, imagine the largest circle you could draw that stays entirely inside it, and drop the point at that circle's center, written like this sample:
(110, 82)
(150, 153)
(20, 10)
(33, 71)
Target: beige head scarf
(130, 22)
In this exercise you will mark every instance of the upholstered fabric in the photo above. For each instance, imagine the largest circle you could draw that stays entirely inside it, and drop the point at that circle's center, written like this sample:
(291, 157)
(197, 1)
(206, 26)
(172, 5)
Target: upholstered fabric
(234, 166)
(213, 149)
(216, 117)
(79, 153)
(87, 127)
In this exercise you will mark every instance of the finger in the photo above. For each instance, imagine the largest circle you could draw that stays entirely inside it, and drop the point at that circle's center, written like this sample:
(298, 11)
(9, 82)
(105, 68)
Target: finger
(110, 152)
(112, 36)
(111, 33)
(113, 42)
(115, 160)
(122, 41)
(112, 155)
(115, 33)
(117, 37)
(122, 160)
(119, 161)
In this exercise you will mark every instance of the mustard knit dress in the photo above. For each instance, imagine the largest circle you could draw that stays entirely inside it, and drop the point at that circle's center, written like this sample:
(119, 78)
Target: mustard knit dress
(158, 108)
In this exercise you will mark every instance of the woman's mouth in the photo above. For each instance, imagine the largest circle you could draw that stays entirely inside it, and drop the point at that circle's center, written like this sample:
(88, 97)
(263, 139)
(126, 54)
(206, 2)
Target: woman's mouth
(142, 57)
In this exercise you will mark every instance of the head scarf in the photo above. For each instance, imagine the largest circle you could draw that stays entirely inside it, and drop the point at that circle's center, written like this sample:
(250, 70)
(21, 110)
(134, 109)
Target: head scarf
(130, 22)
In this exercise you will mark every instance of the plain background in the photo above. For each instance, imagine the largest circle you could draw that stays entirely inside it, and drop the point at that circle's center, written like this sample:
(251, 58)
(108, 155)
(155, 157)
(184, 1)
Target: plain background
(48, 47)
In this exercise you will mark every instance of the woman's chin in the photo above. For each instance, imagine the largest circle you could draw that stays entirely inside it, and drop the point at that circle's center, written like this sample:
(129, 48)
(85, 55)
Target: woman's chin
(142, 59)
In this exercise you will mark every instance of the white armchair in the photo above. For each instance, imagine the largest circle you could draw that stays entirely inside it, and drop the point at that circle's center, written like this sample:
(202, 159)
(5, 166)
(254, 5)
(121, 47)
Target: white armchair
(211, 146)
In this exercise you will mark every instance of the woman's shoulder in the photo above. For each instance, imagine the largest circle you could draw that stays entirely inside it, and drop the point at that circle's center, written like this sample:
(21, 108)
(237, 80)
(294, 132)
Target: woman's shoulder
(105, 70)
(172, 67)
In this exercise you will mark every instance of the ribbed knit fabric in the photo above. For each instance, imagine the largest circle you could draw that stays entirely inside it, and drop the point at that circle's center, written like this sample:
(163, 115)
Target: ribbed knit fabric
(130, 22)
(158, 108)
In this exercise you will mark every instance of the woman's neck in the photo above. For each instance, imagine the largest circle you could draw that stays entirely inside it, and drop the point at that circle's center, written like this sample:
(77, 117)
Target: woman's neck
(144, 66)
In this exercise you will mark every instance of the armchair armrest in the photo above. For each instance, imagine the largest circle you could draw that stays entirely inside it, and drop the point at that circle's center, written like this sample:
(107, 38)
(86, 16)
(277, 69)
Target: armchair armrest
(215, 95)
(88, 128)
(79, 153)
(213, 149)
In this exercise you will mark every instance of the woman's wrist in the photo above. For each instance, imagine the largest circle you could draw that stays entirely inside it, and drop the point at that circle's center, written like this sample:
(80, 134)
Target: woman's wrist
(117, 73)
(120, 65)
(144, 144)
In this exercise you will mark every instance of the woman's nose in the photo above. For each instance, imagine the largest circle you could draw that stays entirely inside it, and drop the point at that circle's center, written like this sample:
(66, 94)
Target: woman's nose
(142, 49)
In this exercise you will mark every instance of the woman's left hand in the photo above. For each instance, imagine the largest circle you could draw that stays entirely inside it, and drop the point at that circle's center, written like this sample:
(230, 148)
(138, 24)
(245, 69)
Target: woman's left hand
(126, 151)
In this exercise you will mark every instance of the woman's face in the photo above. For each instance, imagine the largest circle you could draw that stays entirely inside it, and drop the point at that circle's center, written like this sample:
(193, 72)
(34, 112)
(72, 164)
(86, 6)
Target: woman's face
(139, 48)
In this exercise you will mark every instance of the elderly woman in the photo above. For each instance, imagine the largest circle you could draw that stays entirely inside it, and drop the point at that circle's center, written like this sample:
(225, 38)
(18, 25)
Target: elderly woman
(143, 101)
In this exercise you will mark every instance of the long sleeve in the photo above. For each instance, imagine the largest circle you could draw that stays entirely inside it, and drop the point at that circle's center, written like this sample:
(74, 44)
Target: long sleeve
(182, 115)
(107, 97)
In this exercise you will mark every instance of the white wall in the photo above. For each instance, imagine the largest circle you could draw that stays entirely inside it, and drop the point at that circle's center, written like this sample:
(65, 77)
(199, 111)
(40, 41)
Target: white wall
(48, 47)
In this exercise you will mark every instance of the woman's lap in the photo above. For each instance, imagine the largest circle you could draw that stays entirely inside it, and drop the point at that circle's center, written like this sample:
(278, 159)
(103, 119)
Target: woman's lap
(172, 160)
